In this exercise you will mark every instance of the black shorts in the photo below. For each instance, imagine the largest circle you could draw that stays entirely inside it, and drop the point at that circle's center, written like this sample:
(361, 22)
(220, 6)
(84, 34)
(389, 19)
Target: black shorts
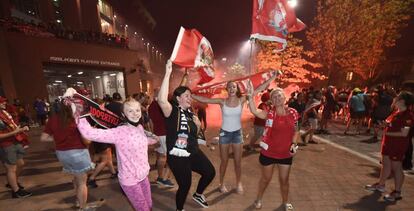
(265, 161)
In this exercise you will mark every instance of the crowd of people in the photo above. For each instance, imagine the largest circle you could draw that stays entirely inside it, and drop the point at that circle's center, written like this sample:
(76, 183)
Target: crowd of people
(169, 125)
(57, 30)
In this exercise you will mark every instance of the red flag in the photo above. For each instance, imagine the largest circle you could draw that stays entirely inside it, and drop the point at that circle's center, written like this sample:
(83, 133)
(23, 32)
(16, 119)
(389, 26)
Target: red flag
(272, 20)
(257, 79)
(192, 49)
(206, 74)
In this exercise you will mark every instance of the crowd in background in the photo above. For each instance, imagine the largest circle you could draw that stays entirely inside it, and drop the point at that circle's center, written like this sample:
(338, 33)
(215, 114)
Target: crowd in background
(57, 30)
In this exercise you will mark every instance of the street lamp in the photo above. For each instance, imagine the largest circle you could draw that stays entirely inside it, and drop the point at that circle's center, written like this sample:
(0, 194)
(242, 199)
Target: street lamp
(293, 3)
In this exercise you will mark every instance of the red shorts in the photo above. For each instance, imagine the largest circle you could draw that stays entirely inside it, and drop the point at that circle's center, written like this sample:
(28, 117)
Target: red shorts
(395, 149)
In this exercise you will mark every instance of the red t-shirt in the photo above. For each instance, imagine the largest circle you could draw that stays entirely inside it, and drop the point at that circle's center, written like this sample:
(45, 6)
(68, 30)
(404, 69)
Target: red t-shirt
(4, 128)
(281, 135)
(397, 146)
(65, 138)
(158, 119)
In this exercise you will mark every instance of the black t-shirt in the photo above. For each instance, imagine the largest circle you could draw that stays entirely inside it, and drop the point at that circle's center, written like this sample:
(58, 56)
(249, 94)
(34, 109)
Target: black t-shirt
(171, 124)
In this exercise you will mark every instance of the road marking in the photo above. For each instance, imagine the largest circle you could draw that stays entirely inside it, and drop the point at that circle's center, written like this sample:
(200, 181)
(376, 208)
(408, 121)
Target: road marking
(358, 154)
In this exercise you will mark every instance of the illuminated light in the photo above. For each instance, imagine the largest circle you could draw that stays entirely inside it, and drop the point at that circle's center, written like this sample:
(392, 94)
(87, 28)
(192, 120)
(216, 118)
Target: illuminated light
(142, 39)
(293, 3)
(58, 81)
(69, 76)
(126, 25)
(112, 74)
(59, 21)
(79, 82)
(135, 33)
(224, 59)
(98, 77)
(55, 84)
(114, 16)
(80, 73)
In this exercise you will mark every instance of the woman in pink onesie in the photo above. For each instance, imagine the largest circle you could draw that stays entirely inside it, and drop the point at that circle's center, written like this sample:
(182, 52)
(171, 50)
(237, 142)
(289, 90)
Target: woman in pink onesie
(131, 146)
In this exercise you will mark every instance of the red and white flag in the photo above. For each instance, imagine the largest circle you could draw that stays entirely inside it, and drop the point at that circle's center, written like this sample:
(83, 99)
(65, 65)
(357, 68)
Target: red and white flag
(257, 79)
(192, 49)
(206, 74)
(272, 20)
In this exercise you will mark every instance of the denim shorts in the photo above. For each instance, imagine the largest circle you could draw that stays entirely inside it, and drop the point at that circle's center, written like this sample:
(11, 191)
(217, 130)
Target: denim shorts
(12, 153)
(235, 137)
(75, 161)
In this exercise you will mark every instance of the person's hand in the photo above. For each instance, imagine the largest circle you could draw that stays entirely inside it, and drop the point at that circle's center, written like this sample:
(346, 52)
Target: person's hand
(293, 149)
(69, 92)
(25, 128)
(168, 67)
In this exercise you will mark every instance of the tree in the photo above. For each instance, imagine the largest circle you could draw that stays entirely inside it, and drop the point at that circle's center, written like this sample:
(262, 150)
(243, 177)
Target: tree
(352, 35)
(294, 61)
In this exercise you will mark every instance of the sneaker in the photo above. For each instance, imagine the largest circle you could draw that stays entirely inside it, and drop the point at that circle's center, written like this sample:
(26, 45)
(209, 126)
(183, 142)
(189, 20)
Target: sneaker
(375, 187)
(258, 204)
(165, 182)
(393, 196)
(21, 194)
(288, 207)
(18, 184)
(200, 199)
(114, 176)
(92, 184)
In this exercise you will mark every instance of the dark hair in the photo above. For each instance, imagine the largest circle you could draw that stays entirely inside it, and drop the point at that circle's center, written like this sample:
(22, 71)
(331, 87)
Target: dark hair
(116, 96)
(407, 97)
(178, 92)
(238, 92)
(64, 114)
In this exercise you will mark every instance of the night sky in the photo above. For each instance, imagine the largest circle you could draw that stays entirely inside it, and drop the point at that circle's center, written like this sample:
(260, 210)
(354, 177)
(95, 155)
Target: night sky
(227, 23)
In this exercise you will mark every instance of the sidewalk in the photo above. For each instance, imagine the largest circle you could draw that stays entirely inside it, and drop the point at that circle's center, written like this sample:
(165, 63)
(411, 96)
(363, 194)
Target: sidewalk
(322, 178)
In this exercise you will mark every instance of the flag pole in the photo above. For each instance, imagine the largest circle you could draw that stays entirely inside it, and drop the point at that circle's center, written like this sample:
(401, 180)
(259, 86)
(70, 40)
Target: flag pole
(251, 59)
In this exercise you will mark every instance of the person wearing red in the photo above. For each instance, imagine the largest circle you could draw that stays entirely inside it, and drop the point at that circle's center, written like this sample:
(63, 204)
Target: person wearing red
(11, 150)
(278, 144)
(71, 150)
(395, 141)
(159, 129)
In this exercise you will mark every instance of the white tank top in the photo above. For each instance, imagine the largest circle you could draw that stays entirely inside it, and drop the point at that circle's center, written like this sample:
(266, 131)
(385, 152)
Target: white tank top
(231, 117)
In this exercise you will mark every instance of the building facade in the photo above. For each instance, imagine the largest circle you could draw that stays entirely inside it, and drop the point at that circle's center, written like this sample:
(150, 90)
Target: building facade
(47, 46)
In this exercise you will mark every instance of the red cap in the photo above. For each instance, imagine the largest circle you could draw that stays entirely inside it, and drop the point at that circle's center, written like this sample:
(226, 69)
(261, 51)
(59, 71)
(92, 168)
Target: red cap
(3, 99)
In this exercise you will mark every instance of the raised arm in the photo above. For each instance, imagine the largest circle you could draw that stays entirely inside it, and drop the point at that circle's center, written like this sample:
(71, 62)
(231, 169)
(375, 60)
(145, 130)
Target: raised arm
(252, 105)
(163, 93)
(95, 134)
(264, 85)
(208, 100)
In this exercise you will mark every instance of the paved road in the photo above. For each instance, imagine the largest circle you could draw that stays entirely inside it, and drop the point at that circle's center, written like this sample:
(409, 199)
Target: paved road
(323, 177)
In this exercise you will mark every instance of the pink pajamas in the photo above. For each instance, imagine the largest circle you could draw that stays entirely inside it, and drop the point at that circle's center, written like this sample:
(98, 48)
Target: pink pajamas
(139, 195)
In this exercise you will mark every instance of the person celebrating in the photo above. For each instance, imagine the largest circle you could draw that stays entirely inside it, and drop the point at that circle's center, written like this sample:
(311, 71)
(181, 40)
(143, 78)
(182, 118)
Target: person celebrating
(279, 143)
(183, 154)
(395, 141)
(131, 144)
(71, 150)
(230, 133)
(11, 150)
